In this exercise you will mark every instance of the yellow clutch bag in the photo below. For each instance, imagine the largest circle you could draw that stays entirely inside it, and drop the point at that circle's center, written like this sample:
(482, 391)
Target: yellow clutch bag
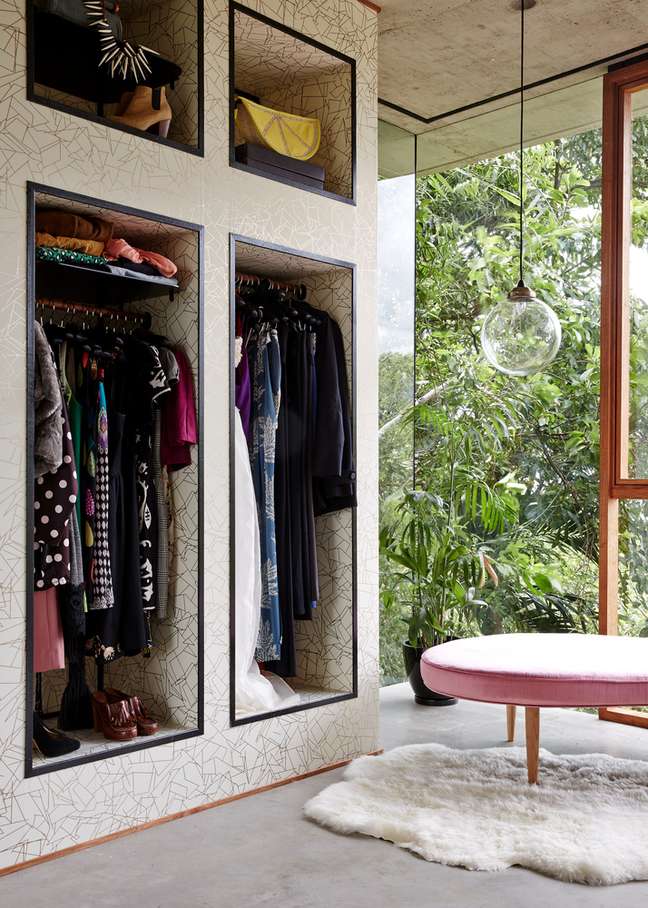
(286, 133)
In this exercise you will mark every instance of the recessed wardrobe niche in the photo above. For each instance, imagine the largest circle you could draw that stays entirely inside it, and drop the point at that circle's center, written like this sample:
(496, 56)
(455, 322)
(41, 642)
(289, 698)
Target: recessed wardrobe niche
(293, 482)
(115, 629)
(288, 72)
(133, 65)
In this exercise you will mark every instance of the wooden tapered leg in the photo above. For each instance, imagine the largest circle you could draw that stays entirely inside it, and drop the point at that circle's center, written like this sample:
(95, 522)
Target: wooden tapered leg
(532, 728)
(510, 723)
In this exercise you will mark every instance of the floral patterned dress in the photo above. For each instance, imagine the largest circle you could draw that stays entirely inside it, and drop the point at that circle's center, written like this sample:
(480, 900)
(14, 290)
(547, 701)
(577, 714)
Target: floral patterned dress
(265, 369)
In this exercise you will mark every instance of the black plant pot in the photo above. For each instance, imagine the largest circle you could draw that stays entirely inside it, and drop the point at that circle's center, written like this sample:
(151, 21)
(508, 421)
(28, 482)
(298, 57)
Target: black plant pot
(422, 694)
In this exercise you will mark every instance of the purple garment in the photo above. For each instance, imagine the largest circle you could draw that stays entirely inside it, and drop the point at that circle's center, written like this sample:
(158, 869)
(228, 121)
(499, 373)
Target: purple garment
(244, 393)
(179, 430)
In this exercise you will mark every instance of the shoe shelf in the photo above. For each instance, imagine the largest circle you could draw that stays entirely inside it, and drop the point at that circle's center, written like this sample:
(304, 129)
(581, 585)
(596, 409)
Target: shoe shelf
(63, 71)
(281, 69)
(169, 681)
(93, 746)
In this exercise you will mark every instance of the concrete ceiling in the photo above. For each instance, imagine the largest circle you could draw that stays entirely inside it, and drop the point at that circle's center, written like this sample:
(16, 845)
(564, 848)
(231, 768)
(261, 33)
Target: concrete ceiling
(441, 55)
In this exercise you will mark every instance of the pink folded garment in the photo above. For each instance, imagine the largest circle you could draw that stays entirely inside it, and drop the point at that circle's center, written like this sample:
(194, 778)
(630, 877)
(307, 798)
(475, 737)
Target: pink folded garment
(116, 249)
(119, 248)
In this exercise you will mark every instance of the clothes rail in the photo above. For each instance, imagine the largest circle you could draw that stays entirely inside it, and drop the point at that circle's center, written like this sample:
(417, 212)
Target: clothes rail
(144, 318)
(254, 279)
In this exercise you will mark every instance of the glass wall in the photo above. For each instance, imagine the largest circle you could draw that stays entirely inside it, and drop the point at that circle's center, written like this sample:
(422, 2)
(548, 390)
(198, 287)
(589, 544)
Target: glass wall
(396, 280)
(498, 532)
(509, 465)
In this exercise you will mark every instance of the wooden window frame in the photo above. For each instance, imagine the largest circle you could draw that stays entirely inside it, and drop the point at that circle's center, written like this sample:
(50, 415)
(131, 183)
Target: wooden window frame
(618, 89)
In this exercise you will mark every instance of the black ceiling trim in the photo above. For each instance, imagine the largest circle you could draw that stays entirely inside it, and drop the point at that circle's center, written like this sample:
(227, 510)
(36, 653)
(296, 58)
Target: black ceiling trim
(614, 59)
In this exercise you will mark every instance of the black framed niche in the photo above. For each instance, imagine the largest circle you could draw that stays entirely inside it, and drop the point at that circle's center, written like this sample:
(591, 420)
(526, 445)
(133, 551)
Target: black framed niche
(297, 295)
(96, 311)
(164, 104)
(282, 69)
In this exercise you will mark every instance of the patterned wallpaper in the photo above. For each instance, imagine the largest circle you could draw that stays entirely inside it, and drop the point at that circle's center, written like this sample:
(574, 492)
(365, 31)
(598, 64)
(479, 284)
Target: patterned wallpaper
(43, 814)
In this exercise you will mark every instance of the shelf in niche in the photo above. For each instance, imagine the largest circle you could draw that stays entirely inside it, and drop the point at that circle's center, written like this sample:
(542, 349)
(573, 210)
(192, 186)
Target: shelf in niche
(63, 71)
(94, 746)
(309, 697)
(59, 275)
(288, 71)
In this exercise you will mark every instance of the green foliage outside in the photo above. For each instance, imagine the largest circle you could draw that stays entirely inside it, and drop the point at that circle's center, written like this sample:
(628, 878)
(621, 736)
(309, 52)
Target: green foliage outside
(501, 532)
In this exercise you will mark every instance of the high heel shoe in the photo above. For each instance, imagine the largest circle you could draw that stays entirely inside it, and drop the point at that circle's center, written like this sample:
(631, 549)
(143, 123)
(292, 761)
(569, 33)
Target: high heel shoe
(51, 743)
(145, 724)
(114, 719)
(147, 110)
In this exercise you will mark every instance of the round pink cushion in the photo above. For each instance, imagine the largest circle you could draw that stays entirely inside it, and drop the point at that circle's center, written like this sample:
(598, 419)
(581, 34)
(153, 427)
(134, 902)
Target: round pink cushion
(541, 669)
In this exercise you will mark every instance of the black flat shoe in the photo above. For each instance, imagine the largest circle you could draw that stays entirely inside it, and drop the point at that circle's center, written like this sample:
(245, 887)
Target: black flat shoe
(52, 743)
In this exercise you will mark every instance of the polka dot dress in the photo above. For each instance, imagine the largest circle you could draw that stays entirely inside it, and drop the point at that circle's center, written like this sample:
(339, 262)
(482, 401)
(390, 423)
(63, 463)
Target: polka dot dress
(55, 495)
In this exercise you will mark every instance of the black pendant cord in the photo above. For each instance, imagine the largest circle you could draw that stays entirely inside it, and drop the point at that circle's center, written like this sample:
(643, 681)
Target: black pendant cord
(521, 251)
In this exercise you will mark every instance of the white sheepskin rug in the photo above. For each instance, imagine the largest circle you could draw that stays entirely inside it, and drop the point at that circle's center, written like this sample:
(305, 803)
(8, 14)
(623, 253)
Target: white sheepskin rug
(586, 822)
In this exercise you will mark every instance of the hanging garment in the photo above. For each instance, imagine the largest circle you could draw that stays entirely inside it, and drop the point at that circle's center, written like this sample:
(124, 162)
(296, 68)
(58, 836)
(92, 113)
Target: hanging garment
(49, 648)
(151, 386)
(95, 536)
(312, 590)
(297, 362)
(254, 692)
(128, 631)
(243, 395)
(88, 473)
(334, 485)
(75, 711)
(47, 406)
(159, 478)
(55, 494)
(286, 664)
(102, 593)
(179, 430)
(266, 395)
(75, 411)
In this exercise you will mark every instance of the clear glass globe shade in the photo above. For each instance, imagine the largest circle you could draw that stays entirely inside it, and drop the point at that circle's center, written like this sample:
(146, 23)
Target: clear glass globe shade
(521, 336)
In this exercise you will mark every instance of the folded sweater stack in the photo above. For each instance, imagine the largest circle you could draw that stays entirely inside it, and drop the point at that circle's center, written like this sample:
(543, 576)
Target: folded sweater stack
(64, 236)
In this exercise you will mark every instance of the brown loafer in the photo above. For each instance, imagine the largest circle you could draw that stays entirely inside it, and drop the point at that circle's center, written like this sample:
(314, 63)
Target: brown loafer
(145, 724)
(113, 718)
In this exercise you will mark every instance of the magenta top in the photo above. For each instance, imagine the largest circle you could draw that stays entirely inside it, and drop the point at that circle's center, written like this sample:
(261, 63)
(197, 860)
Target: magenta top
(179, 423)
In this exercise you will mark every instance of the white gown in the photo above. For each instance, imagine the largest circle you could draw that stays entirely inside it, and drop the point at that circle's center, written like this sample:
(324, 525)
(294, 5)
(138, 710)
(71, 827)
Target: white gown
(254, 692)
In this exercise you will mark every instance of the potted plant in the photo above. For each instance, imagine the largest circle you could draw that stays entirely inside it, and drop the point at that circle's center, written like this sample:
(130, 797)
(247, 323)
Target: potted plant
(439, 567)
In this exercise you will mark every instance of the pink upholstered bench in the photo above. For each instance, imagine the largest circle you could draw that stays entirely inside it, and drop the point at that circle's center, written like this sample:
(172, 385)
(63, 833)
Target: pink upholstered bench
(534, 670)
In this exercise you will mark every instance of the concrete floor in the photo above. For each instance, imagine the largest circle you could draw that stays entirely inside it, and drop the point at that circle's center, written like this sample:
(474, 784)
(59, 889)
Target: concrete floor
(260, 852)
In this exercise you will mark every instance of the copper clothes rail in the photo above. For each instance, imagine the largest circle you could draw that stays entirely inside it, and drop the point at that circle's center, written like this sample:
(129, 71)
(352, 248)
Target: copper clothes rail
(142, 318)
(271, 283)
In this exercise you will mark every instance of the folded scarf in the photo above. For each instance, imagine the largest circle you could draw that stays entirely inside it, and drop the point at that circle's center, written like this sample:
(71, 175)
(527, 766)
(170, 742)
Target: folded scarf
(66, 223)
(91, 247)
(69, 256)
(119, 248)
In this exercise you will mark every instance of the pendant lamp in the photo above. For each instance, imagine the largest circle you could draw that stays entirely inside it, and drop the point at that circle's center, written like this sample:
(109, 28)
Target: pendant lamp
(521, 334)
